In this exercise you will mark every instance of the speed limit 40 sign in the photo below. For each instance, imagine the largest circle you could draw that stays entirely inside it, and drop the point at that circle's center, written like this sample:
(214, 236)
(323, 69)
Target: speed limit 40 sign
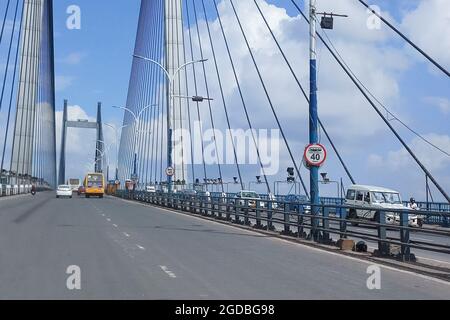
(315, 155)
(170, 172)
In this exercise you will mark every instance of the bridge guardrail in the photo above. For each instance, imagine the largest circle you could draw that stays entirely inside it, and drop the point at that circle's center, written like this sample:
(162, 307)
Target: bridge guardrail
(435, 219)
(12, 190)
(297, 220)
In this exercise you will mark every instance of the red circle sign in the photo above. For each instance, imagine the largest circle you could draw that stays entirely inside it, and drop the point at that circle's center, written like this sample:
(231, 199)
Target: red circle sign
(170, 172)
(315, 155)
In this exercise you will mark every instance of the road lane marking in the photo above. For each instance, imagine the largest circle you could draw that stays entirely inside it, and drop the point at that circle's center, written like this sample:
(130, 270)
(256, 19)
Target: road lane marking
(126, 234)
(108, 219)
(115, 225)
(168, 272)
(429, 259)
(140, 247)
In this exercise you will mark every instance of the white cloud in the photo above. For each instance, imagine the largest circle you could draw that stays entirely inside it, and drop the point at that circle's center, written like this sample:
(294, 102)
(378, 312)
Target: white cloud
(433, 159)
(397, 168)
(369, 54)
(443, 104)
(429, 26)
(74, 58)
(63, 82)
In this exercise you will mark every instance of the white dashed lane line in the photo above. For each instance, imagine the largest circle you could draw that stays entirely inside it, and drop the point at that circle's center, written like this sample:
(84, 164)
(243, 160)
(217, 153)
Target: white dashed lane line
(140, 247)
(108, 219)
(126, 234)
(115, 226)
(168, 272)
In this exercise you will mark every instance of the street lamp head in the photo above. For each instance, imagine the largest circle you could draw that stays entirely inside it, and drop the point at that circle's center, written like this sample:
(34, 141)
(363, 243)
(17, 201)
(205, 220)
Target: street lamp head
(324, 177)
(290, 171)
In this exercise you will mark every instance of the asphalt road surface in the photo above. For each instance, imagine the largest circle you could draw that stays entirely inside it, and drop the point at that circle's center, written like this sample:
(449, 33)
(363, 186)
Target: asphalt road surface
(130, 251)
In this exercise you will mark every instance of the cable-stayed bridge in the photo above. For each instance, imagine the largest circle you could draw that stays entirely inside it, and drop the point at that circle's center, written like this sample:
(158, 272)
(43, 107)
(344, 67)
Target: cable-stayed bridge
(205, 134)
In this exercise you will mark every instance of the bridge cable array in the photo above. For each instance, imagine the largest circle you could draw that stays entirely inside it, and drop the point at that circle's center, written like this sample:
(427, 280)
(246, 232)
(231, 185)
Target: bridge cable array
(150, 42)
(30, 147)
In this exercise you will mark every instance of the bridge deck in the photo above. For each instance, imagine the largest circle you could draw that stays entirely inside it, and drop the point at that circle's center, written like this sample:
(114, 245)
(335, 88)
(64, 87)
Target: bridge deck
(127, 250)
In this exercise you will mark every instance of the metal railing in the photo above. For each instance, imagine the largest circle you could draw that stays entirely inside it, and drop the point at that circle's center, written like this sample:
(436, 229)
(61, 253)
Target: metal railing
(393, 234)
(7, 190)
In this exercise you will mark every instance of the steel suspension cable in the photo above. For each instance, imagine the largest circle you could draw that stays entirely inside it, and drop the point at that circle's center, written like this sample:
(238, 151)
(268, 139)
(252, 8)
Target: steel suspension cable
(381, 104)
(126, 137)
(11, 96)
(269, 99)
(222, 94)
(37, 70)
(148, 96)
(440, 67)
(155, 132)
(5, 77)
(4, 21)
(30, 15)
(350, 176)
(147, 71)
(244, 105)
(196, 89)
(378, 111)
(208, 95)
(180, 104)
(191, 142)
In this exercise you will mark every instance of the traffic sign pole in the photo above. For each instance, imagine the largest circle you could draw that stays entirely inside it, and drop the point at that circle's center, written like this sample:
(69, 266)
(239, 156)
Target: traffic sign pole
(313, 119)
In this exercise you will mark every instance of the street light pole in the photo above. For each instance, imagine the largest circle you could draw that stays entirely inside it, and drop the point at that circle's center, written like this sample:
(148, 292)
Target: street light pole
(136, 124)
(313, 117)
(170, 79)
(116, 131)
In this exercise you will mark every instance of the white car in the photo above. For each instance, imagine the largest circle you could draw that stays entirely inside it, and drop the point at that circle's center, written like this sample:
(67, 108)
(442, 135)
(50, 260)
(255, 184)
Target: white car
(370, 199)
(64, 191)
(150, 189)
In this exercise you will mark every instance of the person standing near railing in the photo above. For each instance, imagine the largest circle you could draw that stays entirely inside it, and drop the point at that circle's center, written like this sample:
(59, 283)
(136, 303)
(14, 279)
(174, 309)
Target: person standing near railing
(414, 206)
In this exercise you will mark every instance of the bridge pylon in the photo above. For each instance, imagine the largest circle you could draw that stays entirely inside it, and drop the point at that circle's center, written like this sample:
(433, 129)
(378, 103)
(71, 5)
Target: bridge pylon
(83, 124)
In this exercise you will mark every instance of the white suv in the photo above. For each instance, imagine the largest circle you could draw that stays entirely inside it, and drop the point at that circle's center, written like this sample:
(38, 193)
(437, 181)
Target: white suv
(370, 199)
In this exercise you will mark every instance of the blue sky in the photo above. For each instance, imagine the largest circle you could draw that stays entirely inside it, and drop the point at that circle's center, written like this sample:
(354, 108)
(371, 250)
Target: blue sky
(93, 64)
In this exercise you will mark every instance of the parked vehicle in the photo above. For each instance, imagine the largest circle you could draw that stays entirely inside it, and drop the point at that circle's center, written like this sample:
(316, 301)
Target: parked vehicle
(296, 201)
(188, 194)
(64, 191)
(250, 198)
(372, 199)
(204, 195)
(150, 189)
